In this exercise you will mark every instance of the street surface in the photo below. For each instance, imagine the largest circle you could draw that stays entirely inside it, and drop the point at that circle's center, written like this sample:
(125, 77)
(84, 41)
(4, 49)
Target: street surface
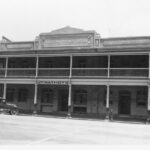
(35, 130)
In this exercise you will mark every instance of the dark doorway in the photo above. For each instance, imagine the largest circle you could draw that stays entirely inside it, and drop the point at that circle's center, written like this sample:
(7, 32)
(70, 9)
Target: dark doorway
(63, 100)
(124, 102)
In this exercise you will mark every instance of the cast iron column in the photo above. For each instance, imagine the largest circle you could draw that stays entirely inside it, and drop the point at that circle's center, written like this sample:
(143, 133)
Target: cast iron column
(36, 86)
(108, 87)
(6, 67)
(4, 91)
(70, 89)
(107, 102)
(35, 99)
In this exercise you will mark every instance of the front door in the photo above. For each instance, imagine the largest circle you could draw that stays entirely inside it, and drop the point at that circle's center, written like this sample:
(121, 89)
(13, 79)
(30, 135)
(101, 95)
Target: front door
(63, 100)
(124, 102)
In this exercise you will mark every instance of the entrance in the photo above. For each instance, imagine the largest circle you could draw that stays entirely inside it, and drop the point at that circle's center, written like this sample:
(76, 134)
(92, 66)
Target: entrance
(63, 100)
(124, 102)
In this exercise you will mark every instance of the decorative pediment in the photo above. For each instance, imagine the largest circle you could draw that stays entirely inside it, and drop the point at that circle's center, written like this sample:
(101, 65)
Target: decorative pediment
(67, 30)
(67, 37)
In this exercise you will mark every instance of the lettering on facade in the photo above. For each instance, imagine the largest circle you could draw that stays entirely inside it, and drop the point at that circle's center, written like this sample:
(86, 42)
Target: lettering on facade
(55, 42)
(54, 82)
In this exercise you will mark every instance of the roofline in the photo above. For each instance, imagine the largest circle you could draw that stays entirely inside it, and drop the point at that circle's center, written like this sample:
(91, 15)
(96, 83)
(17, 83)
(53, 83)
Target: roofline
(126, 38)
(14, 42)
(92, 31)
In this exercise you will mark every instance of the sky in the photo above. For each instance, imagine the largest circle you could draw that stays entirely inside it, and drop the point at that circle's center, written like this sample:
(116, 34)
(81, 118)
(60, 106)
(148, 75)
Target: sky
(23, 20)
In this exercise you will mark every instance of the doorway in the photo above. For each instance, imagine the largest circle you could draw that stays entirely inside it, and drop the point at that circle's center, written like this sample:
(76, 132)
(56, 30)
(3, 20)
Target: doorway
(124, 102)
(63, 100)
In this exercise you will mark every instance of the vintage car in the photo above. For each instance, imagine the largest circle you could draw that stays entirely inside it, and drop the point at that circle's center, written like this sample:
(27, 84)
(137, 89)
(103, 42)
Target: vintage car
(9, 108)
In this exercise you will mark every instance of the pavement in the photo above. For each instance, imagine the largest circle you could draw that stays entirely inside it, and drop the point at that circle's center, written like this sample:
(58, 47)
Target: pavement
(38, 130)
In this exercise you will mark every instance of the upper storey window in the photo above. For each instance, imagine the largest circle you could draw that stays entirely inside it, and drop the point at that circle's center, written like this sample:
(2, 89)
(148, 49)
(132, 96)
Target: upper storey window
(2, 63)
(12, 64)
(82, 63)
(129, 61)
(22, 62)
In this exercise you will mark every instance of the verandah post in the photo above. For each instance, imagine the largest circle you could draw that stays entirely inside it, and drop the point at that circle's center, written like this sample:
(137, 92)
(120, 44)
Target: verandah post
(108, 89)
(35, 98)
(36, 86)
(4, 90)
(70, 89)
(107, 101)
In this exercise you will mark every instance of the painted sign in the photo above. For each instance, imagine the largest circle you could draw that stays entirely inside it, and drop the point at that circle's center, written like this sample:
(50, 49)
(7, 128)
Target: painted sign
(68, 41)
(54, 82)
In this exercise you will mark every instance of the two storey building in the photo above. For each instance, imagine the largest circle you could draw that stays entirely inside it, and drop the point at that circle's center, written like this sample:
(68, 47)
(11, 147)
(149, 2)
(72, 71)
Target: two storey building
(71, 71)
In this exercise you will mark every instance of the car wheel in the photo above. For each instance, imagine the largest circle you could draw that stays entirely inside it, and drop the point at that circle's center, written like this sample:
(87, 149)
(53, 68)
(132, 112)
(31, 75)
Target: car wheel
(10, 112)
(13, 112)
(16, 112)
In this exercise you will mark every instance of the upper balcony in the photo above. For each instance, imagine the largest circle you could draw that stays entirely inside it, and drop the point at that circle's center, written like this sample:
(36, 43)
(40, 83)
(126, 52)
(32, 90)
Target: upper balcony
(127, 66)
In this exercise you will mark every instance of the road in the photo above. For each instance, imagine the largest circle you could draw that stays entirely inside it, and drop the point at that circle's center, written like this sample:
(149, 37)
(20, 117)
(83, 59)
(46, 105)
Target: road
(35, 130)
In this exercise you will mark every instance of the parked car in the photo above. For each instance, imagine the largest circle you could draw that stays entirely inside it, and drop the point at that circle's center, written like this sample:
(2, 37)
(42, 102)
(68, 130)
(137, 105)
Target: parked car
(9, 108)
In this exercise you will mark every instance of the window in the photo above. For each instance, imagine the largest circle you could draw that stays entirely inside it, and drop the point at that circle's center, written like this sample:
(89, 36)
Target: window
(2, 65)
(50, 64)
(141, 98)
(25, 64)
(10, 94)
(23, 95)
(82, 63)
(11, 64)
(80, 97)
(47, 96)
(80, 101)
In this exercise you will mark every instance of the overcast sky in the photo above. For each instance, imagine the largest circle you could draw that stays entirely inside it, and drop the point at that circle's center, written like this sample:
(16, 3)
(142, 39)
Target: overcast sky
(25, 19)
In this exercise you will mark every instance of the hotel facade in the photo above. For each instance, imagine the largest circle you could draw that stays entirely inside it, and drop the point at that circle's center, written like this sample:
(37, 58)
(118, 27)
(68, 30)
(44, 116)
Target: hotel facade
(70, 71)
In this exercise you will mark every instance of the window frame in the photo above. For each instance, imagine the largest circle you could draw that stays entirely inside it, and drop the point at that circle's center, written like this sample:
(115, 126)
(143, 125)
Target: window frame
(141, 98)
(49, 96)
(25, 93)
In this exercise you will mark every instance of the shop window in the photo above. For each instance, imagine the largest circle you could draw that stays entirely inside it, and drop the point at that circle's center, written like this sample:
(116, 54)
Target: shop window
(80, 101)
(47, 96)
(80, 97)
(10, 95)
(141, 98)
(23, 95)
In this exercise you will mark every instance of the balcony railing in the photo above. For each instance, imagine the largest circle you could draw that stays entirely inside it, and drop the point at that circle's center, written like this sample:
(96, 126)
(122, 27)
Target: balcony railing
(21, 72)
(129, 72)
(76, 72)
(98, 72)
(45, 72)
